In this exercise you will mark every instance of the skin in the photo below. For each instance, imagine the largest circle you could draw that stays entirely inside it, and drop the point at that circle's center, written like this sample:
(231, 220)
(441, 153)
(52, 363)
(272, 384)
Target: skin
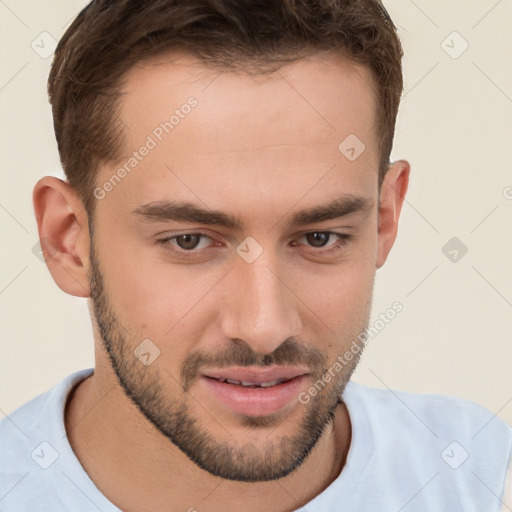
(259, 148)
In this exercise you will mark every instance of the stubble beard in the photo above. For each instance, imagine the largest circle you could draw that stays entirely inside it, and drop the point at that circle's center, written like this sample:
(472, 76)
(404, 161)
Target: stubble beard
(232, 460)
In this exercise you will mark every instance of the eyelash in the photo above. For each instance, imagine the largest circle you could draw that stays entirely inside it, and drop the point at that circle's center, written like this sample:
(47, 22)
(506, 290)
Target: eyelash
(343, 240)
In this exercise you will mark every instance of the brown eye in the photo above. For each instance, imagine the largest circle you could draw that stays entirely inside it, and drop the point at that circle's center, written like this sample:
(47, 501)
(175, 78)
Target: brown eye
(188, 245)
(318, 238)
(325, 243)
(188, 241)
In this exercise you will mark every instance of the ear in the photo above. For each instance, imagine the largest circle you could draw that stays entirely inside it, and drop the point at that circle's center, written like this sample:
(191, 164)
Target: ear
(63, 233)
(392, 195)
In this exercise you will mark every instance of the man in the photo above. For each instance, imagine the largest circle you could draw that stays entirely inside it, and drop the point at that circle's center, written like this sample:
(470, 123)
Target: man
(229, 197)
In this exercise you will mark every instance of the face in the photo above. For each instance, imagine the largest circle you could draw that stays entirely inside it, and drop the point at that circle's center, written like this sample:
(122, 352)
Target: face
(240, 244)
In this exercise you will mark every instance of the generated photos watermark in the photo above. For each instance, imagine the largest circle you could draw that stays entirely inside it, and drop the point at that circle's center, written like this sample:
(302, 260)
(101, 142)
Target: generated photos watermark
(355, 348)
(157, 135)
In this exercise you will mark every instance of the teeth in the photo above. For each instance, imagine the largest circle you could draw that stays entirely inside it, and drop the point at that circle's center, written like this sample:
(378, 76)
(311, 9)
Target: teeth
(254, 384)
(268, 384)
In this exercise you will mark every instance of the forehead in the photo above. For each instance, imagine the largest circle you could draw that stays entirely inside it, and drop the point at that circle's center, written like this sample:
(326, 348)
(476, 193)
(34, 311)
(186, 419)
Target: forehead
(327, 90)
(231, 132)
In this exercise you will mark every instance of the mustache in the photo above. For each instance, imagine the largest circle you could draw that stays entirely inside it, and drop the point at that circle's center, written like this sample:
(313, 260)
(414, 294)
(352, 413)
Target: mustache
(290, 352)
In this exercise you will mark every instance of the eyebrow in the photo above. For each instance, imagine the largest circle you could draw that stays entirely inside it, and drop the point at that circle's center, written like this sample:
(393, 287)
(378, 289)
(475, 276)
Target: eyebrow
(183, 211)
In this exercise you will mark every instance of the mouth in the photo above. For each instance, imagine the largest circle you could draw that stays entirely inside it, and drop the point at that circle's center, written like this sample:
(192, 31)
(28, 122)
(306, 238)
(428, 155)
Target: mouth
(253, 385)
(254, 392)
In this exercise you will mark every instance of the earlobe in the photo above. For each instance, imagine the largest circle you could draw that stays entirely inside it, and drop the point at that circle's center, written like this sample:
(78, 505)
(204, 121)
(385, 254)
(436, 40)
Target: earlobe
(63, 234)
(392, 196)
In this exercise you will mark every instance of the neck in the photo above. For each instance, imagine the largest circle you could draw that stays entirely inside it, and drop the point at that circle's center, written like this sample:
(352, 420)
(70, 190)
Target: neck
(102, 423)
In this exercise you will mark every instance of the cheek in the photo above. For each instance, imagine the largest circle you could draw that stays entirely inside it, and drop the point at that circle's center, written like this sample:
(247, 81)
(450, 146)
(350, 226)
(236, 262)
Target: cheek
(342, 300)
(343, 288)
(158, 300)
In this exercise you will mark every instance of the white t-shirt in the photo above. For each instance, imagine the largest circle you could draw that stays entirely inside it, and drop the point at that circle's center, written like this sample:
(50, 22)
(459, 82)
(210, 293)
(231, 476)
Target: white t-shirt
(409, 453)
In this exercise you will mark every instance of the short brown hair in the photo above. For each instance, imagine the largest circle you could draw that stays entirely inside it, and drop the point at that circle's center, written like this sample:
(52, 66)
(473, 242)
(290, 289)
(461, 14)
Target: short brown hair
(109, 36)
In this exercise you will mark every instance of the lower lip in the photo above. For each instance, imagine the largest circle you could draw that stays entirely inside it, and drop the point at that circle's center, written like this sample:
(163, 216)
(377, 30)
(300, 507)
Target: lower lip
(254, 401)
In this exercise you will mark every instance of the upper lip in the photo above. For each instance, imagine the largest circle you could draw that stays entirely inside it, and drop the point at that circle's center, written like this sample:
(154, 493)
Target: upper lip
(256, 375)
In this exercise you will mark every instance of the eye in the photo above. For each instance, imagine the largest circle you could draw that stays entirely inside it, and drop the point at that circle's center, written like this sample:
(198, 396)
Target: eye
(318, 238)
(186, 242)
(321, 239)
(195, 244)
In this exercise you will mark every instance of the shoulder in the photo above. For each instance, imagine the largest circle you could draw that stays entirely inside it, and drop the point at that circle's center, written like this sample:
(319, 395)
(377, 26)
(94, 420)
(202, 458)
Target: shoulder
(31, 441)
(436, 412)
(461, 449)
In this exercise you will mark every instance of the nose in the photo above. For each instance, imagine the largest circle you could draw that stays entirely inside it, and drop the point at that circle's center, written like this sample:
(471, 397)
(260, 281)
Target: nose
(261, 308)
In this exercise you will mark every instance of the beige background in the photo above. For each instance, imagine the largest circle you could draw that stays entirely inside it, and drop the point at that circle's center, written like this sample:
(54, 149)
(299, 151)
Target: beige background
(455, 127)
